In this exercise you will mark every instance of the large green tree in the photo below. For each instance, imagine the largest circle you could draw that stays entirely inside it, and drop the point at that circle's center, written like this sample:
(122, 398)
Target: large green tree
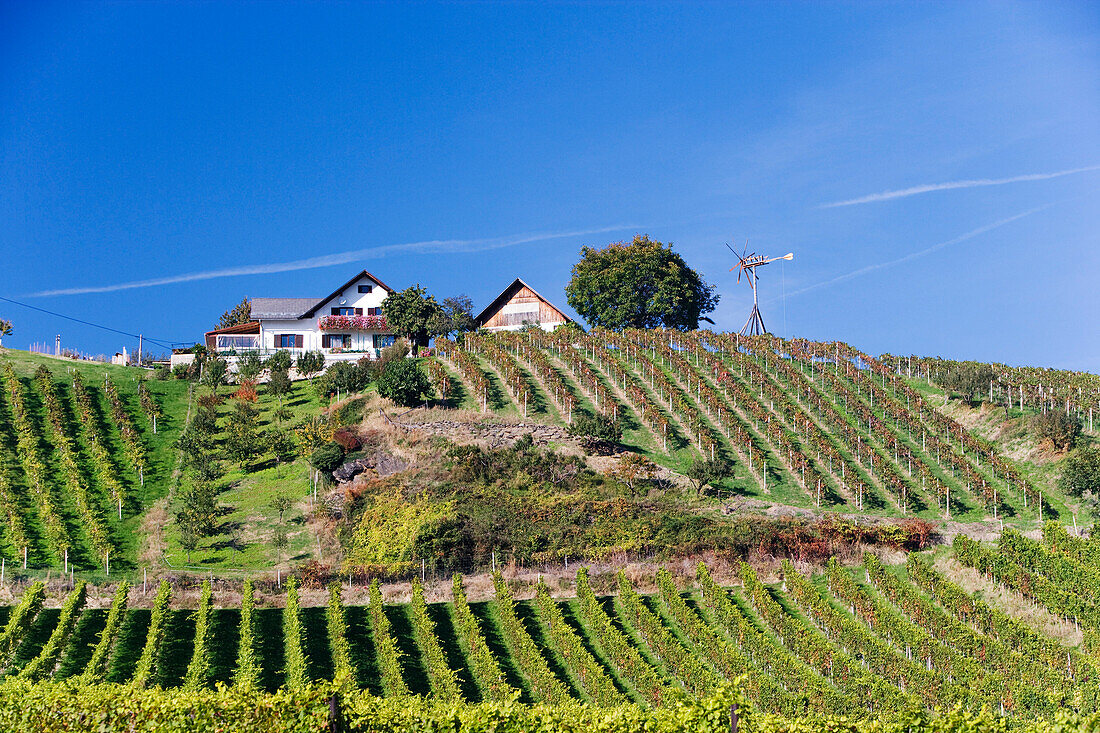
(412, 313)
(5, 329)
(639, 284)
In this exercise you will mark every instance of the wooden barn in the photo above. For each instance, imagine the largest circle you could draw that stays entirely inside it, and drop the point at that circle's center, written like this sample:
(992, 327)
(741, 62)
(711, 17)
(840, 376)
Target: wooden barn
(520, 305)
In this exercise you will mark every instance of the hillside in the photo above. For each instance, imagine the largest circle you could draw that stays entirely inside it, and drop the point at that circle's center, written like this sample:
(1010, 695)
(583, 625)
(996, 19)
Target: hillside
(582, 581)
(865, 641)
(807, 429)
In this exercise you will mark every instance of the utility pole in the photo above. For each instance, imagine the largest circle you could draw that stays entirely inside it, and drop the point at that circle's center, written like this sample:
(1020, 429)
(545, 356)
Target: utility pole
(139, 349)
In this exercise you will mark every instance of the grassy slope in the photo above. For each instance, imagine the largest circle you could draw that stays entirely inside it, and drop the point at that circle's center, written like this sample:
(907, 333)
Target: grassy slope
(1008, 430)
(248, 522)
(161, 455)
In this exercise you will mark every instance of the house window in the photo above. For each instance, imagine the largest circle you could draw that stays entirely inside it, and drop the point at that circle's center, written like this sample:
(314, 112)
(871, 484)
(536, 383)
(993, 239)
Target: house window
(345, 311)
(366, 288)
(374, 311)
(382, 340)
(288, 341)
(336, 341)
(228, 341)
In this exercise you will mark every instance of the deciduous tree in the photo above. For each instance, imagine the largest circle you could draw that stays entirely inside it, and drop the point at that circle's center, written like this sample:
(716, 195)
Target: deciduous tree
(404, 382)
(639, 284)
(310, 363)
(704, 472)
(455, 316)
(412, 313)
(250, 366)
(1081, 472)
(214, 371)
(279, 385)
(243, 440)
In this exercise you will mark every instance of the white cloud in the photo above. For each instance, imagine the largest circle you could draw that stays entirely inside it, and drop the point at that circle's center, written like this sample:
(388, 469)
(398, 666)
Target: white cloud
(339, 258)
(929, 187)
(913, 255)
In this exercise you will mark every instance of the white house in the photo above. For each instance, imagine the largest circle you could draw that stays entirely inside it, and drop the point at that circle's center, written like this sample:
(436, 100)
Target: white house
(345, 325)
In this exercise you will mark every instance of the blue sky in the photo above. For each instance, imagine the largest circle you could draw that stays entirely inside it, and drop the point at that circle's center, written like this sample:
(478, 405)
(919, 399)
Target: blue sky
(460, 146)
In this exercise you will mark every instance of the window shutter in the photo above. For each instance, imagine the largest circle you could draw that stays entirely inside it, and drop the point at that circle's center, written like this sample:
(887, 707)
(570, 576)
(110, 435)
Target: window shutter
(358, 311)
(326, 341)
(278, 340)
(298, 341)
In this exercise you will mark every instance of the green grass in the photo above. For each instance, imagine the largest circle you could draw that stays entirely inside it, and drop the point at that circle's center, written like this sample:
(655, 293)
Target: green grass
(36, 637)
(78, 651)
(128, 646)
(246, 527)
(126, 534)
(225, 631)
(176, 649)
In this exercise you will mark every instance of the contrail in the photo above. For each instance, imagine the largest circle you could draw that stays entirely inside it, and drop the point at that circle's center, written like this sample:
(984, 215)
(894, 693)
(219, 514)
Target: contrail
(902, 193)
(912, 256)
(339, 258)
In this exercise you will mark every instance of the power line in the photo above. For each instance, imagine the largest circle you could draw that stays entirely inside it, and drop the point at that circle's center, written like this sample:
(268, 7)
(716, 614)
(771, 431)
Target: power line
(158, 342)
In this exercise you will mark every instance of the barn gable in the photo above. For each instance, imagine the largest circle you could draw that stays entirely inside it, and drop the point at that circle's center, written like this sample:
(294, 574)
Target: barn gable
(518, 305)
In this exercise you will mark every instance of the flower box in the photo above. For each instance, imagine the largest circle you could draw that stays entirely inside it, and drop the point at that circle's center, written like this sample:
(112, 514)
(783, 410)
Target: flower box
(352, 323)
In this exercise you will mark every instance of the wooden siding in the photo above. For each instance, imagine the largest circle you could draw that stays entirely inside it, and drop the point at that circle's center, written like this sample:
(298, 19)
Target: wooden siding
(513, 312)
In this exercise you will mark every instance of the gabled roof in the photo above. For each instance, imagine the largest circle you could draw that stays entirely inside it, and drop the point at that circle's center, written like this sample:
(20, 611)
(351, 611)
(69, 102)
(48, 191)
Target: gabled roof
(341, 289)
(506, 295)
(289, 309)
(280, 309)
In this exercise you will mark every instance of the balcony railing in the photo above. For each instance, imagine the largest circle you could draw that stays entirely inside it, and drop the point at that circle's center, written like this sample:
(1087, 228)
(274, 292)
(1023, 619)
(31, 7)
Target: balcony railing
(352, 323)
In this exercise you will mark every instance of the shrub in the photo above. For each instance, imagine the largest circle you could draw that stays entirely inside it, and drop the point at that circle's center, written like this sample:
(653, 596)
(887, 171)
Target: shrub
(279, 361)
(344, 377)
(1060, 429)
(404, 382)
(208, 400)
(1081, 472)
(294, 653)
(310, 363)
(147, 666)
(198, 671)
(279, 384)
(246, 392)
(327, 457)
(633, 470)
(44, 663)
(346, 439)
(396, 351)
(247, 675)
(600, 427)
(249, 367)
(214, 372)
(98, 663)
(283, 446)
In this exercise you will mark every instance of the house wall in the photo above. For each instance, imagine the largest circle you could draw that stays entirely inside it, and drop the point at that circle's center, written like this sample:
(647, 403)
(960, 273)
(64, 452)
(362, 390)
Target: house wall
(525, 305)
(308, 328)
(354, 298)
